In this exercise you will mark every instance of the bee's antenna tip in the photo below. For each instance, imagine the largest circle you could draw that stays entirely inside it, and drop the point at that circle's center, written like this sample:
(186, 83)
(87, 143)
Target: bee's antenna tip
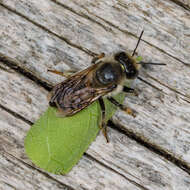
(150, 63)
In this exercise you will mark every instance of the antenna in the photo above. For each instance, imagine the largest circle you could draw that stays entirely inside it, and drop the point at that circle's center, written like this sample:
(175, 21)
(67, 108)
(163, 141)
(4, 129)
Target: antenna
(142, 62)
(138, 43)
(150, 63)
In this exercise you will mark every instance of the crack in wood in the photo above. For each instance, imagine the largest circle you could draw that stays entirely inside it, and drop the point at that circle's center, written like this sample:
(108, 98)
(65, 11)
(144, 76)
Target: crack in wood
(89, 52)
(181, 4)
(172, 89)
(16, 114)
(17, 67)
(82, 15)
(185, 100)
(143, 142)
(50, 32)
(115, 171)
(149, 84)
(44, 173)
(66, 187)
(25, 72)
(129, 33)
(9, 185)
(118, 28)
(153, 147)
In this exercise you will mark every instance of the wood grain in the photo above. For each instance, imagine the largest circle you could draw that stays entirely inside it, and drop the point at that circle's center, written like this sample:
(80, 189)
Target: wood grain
(152, 150)
(123, 159)
(184, 3)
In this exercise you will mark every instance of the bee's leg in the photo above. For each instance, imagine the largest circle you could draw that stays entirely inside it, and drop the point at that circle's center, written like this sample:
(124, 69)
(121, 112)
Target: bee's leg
(65, 74)
(122, 107)
(103, 124)
(130, 90)
(97, 57)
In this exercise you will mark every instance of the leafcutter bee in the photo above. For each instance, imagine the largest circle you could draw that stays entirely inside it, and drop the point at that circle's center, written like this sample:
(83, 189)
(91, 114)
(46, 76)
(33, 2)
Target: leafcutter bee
(104, 78)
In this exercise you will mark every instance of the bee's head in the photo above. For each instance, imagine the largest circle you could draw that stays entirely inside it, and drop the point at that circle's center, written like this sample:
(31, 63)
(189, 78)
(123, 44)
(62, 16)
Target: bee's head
(128, 64)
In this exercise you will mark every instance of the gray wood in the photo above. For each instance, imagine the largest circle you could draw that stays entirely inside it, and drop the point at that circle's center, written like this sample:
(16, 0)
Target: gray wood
(16, 173)
(183, 3)
(164, 28)
(38, 35)
(122, 164)
(166, 24)
(55, 49)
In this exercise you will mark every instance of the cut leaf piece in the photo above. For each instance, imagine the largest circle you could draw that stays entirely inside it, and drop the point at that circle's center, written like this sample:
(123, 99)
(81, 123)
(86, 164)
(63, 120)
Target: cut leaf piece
(56, 144)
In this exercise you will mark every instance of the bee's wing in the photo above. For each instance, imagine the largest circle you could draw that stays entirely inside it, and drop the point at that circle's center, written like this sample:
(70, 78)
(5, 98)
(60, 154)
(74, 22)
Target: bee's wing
(77, 92)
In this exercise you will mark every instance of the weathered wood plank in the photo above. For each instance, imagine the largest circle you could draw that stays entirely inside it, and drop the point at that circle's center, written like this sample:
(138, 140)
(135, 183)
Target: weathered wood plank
(52, 35)
(41, 44)
(35, 49)
(129, 165)
(87, 175)
(183, 3)
(166, 24)
(168, 126)
(21, 99)
(13, 173)
(97, 38)
(111, 47)
(14, 130)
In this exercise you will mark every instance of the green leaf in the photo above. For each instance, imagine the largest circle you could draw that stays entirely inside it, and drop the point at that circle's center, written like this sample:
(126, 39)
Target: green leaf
(56, 144)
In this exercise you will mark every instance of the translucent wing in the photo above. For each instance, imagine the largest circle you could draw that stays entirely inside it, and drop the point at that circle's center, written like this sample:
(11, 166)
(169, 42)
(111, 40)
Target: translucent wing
(77, 92)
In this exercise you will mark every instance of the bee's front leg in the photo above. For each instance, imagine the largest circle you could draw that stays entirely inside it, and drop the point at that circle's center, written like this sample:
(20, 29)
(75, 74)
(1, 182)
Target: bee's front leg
(97, 57)
(103, 125)
(122, 107)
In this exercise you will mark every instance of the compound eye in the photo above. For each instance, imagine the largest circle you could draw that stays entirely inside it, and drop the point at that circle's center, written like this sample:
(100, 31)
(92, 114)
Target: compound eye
(121, 56)
(106, 74)
(131, 73)
(128, 64)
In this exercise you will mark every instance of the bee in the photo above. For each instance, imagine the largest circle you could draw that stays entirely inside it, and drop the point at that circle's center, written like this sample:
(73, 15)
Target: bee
(104, 78)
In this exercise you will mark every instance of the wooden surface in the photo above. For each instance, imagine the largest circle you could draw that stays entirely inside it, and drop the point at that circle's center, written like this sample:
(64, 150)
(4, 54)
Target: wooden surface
(149, 152)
